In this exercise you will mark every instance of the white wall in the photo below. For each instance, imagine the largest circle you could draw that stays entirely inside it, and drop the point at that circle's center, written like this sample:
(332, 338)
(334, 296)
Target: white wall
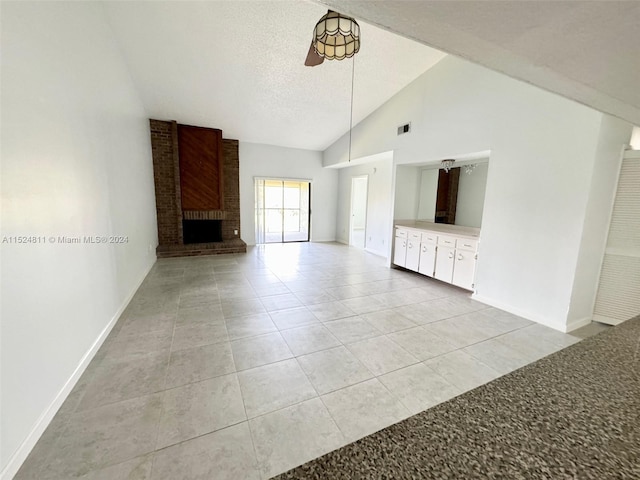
(379, 204)
(257, 160)
(428, 194)
(407, 198)
(76, 160)
(471, 191)
(542, 158)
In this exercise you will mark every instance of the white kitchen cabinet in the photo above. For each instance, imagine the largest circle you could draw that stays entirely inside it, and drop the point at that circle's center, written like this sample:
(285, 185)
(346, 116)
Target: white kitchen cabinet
(445, 259)
(442, 252)
(464, 268)
(427, 258)
(400, 251)
(413, 254)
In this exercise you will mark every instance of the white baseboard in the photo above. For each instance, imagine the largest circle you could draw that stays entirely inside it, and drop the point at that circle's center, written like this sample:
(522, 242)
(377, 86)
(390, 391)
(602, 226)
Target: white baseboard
(21, 454)
(521, 313)
(607, 320)
(575, 324)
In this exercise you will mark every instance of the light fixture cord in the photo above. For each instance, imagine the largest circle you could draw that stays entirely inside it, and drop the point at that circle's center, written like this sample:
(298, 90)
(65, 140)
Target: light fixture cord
(353, 69)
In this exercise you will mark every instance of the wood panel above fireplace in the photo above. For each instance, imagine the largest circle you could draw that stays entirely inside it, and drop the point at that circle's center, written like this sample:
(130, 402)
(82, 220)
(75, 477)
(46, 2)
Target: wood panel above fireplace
(201, 168)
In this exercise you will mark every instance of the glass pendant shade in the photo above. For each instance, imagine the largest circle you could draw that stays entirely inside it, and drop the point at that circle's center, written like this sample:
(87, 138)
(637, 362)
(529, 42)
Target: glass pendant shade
(336, 36)
(447, 164)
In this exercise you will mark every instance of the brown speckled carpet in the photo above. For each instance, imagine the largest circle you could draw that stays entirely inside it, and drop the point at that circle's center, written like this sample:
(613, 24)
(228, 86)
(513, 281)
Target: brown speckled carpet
(572, 415)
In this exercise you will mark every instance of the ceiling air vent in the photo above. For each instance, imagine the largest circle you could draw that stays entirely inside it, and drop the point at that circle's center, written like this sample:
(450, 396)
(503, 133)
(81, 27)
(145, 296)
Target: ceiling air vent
(402, 129)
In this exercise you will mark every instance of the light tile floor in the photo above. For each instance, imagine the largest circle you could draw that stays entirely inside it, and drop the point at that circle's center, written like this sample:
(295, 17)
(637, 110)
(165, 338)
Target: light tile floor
(244, 366)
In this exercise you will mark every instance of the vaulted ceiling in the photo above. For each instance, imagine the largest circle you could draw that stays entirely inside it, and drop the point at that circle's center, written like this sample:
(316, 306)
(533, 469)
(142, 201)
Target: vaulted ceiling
(588, 51)
(239, 66)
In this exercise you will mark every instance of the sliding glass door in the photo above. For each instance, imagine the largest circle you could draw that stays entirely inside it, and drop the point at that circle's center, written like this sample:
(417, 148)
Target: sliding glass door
(282, 210)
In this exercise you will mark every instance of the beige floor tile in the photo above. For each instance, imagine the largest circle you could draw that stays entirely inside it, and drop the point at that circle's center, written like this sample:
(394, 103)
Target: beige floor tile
(364, 408)
(227, 454)
(197, 335)
(352, 329)
(333, 369)
(362, 305)
(199, 363)
(118, 381)
(241, 307)
(256, 351)
(421, 343)
(250, 326)
(138, 468)
(280, 302)
(289, 437)
(501, 357)
(462, 370)
(388, 321)
(199, 408)
(106, 436)
(309, 339)
(419, 387)
(293, 317)
(274, 386)
(380, 355)
(331, 311)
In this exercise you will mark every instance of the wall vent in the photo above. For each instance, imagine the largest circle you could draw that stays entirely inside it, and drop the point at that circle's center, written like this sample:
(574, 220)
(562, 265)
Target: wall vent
(406, 128)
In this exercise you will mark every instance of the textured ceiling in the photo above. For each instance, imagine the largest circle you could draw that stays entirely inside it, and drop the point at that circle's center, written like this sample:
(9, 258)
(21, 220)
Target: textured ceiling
(588, 51)
(238, 66)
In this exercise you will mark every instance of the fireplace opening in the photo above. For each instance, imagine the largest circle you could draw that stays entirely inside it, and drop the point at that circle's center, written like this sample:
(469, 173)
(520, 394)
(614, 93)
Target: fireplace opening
(201, 231)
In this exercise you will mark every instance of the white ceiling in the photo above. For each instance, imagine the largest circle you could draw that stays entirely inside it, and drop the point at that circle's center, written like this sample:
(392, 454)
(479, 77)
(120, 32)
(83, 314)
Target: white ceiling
(239, 66)
(588, 51)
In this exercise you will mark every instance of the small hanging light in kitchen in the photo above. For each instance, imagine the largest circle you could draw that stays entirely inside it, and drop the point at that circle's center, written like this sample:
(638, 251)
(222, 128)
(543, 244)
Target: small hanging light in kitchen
(447, 164)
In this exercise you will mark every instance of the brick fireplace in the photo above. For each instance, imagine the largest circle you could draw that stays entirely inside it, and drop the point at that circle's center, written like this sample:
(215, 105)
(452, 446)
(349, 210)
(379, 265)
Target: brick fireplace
(201, 229)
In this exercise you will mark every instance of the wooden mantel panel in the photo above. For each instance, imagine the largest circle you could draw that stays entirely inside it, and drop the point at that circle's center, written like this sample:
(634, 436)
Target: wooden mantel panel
(201, 164)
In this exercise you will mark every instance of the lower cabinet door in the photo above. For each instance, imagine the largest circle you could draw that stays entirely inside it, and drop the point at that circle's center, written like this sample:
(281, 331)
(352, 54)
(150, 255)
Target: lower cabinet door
(413, 255)
(464, 269)
(444, 263)
(400, 252)
(427, 259)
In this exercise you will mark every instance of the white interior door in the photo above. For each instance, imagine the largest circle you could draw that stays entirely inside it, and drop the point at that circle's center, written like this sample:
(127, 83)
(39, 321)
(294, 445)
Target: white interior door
(358, 219)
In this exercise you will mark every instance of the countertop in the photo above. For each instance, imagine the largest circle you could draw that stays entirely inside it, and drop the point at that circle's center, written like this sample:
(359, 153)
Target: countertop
(458, 230)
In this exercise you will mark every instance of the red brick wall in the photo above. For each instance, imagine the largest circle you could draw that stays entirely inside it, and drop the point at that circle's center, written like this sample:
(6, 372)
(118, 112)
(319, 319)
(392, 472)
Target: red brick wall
(231, 189)
(166, 173)
(166, 176)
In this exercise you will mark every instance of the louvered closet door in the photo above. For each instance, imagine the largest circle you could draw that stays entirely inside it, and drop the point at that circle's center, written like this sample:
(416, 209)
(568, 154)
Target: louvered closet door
(618, 297)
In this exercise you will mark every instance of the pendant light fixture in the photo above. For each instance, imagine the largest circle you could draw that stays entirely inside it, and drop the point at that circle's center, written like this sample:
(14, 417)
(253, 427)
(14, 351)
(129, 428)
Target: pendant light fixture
(447, 164)
(335, 37)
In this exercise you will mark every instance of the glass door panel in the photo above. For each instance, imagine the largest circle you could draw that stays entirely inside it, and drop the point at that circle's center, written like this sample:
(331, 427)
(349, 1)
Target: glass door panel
(282, 211)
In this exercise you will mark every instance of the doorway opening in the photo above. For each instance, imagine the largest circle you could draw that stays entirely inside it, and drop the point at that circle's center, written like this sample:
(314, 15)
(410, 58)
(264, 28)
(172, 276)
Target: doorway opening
(283, 210)
(358, 218)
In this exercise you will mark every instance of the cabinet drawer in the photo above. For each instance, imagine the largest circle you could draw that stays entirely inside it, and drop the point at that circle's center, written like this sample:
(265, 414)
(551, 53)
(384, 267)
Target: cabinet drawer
(466, 244)
(402, 233)
(417, 237)
(429, 238)
(446, 241)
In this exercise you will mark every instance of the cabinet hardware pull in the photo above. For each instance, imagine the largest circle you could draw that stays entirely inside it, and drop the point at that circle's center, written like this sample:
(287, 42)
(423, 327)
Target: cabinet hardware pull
(451, 255)
(459, 256)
